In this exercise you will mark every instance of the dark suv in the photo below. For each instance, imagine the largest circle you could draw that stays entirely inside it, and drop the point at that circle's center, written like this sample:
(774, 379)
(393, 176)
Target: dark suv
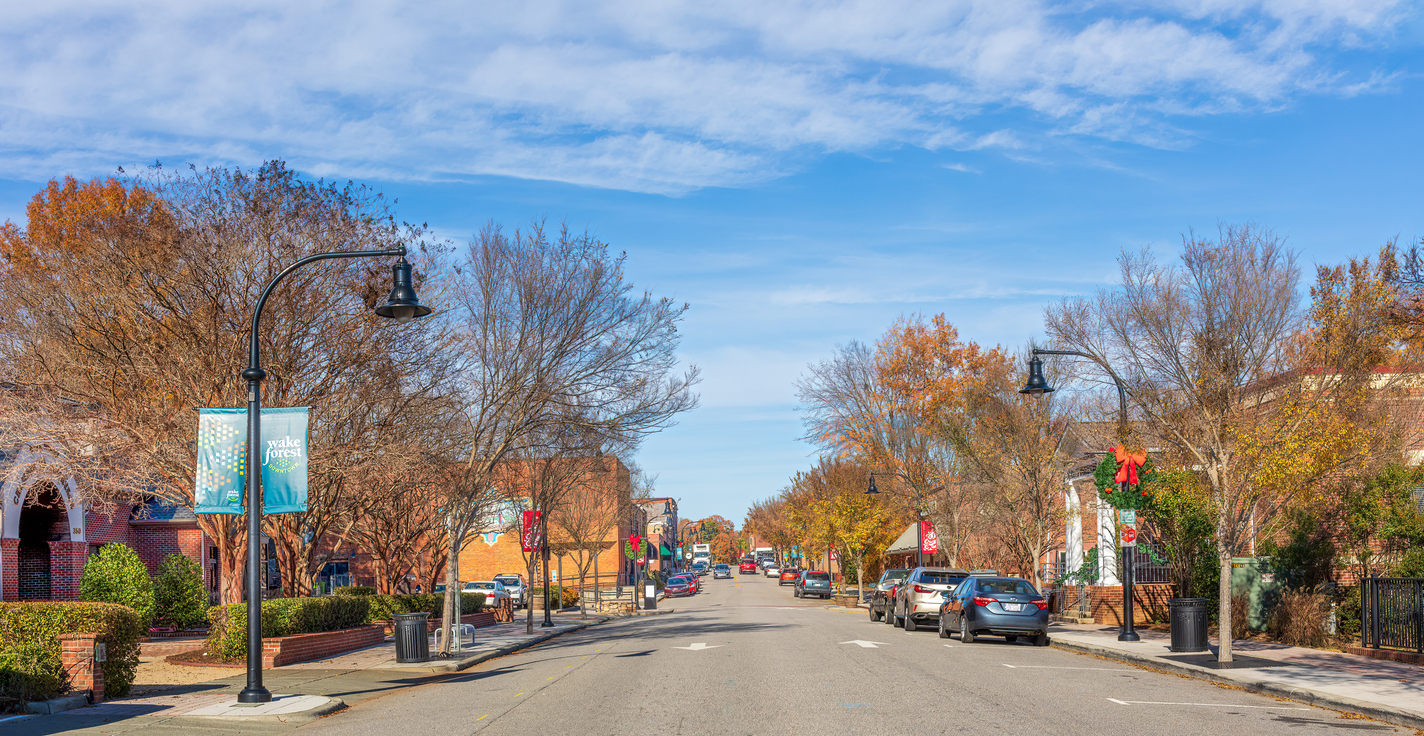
(884, 592)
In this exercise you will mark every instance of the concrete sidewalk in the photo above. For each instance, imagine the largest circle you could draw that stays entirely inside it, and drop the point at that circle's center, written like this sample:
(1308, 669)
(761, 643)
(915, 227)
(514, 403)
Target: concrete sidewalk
(370, 671)
(1388, 691)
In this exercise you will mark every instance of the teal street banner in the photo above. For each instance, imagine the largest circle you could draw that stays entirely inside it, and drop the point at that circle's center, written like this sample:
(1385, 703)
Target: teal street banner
(222, 460)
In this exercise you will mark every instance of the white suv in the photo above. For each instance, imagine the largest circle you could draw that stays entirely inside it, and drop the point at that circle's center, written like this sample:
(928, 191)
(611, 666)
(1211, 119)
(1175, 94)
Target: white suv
(921, 594)
(513, 585)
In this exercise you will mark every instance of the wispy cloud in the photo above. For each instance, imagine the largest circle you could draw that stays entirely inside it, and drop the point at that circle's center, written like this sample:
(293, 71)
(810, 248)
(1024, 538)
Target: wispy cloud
(655, 97)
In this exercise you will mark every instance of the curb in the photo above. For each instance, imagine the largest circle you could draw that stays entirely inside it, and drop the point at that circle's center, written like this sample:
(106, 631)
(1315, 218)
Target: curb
(459, 665)
(1385, 713)
(58, 705)
(331, 706)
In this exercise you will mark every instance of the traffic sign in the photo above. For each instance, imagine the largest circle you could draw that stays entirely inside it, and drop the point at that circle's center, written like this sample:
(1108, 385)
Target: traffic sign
(1129, 516)
(1129, 535)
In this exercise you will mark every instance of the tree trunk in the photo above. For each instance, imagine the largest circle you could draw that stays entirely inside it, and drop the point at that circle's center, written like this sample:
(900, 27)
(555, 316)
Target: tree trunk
(860, 576)
(450, 615)
(1223, 588)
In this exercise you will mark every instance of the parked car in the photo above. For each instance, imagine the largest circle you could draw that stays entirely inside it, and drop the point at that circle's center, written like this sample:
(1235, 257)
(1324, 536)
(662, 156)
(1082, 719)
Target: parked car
(513, 583)
(746, 568)
(920, 595)
(998, 606)
(813, 582)
(884, 592)
(493, 589)
(772, 570)
(788, 576)
(680, 585)
(721, 571)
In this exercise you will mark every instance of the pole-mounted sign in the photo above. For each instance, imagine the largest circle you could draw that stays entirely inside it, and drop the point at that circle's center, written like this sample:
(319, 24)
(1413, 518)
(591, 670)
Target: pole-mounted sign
(530, 529)
(222, 461)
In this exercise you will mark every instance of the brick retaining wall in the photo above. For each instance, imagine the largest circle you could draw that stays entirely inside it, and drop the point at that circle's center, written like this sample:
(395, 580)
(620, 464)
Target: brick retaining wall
(283, 650)
(1149, 602)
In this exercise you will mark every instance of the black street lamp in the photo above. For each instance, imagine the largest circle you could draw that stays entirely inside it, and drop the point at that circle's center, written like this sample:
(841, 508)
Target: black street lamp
(919, 520)
(1037, 386)
(402, 306)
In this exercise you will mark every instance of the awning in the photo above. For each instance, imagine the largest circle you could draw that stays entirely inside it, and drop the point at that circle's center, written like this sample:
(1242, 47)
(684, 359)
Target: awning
(665, 551)
(905, 544)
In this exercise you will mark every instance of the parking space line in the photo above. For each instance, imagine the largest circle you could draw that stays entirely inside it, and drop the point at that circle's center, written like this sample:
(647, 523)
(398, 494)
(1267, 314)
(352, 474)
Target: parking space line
(1205, 705)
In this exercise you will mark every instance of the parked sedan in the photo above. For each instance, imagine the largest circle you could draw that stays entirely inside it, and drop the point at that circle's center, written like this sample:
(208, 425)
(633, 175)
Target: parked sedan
(813, 582)
(679, 585)
(493, 589)
(998, 606)
(919, 597)
(884, 592)
(746, 568)
(722, 571)
(788, 576)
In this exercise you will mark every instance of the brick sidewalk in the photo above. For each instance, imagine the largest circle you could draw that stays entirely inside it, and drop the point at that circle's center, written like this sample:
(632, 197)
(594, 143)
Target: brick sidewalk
(1390, 691)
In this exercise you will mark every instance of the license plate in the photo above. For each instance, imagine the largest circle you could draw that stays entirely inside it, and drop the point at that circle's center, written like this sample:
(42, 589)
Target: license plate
(1013, 607)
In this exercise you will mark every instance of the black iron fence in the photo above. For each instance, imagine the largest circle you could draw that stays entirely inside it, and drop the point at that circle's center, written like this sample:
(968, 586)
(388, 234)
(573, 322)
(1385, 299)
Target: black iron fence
(1392, 613)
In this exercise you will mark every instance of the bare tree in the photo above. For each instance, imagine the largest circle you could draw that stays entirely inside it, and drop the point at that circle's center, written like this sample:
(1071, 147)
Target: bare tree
(1220, 364)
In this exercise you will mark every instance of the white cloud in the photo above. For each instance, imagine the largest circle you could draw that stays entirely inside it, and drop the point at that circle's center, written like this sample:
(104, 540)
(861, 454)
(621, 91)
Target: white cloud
(658, 97)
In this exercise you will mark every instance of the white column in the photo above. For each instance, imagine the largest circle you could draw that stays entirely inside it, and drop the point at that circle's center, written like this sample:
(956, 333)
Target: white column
(1073, 534)
(1107, 546)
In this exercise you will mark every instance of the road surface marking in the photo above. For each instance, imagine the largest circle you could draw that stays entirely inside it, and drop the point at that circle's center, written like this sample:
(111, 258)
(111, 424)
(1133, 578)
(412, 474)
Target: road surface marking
(698, 646)
(864, 644)
(1050, 667)
(481, 718)
(550, 677)
(518, 694)
(1204, 705)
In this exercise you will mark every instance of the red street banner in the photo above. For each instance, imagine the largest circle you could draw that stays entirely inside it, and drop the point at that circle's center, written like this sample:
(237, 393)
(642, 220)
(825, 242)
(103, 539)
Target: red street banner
(529, 534)
(930, 543)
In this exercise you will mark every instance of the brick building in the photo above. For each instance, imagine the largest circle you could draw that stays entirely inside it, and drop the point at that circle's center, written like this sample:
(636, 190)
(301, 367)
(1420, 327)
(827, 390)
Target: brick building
(47, 532)
(661, 532)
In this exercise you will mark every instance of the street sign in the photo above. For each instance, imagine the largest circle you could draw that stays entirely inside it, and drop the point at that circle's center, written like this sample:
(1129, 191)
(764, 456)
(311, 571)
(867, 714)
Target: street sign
(1129, 535)
(1128, 516)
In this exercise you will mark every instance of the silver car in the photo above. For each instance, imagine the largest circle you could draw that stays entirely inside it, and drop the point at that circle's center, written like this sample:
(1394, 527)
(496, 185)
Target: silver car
(920, 595)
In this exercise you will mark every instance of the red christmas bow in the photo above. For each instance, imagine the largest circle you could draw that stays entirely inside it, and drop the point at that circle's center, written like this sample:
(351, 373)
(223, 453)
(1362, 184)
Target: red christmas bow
(1128, 463)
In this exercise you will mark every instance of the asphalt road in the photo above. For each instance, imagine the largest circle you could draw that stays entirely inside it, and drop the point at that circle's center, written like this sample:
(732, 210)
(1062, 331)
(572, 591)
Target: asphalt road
(745, 657)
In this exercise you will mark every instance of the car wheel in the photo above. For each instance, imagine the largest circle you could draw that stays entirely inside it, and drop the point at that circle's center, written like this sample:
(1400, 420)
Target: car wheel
(1011, 638)
(910, 624)
(899, 621)
(873, 616)
(1041, 640)
(943, 632)
(965, 635)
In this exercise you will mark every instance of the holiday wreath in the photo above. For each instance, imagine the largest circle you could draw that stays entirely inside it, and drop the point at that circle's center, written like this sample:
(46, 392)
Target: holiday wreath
(1122, 466)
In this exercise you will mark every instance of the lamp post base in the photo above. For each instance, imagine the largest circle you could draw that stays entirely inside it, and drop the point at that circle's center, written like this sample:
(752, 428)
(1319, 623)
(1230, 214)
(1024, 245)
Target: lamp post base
(254, 695)
(1129, 636)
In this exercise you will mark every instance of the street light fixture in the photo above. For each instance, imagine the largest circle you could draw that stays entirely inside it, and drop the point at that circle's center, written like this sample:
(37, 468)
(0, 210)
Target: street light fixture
(402, 306)
(1037, 386)
(919, 520)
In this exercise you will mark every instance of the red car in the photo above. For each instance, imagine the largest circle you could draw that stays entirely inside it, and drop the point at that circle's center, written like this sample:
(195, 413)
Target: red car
(746, 568)
(788, 576)
(677, 585)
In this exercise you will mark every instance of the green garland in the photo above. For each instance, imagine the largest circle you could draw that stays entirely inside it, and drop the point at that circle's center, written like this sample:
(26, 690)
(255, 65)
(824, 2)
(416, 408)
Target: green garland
(1134, 496)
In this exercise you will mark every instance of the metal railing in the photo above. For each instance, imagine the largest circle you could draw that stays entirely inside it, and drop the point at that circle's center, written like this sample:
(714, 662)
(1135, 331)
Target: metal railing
(1392, 613)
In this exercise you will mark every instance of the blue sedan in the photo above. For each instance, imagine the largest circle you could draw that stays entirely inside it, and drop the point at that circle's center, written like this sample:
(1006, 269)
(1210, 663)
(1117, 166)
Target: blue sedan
(997, 606)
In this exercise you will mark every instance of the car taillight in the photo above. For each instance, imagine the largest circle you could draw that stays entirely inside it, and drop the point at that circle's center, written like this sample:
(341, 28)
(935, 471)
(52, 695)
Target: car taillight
(1042, 604)
(980, 600)
(923, 589)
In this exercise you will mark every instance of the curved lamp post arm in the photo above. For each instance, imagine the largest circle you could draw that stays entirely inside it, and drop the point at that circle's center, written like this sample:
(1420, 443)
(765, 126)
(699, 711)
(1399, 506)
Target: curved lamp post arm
(253, 359)
(1121, 387)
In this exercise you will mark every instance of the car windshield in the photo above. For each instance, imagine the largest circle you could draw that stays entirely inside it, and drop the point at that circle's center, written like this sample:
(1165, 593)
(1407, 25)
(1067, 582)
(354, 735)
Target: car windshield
(896, 574)
(508, 581)
(1009, 586)
(723, 567)
(940, 578)
(480, 586)
(818, 576)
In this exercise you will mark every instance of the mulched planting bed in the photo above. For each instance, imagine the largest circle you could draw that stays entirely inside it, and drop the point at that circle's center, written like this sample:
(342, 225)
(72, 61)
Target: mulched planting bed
(200, 658)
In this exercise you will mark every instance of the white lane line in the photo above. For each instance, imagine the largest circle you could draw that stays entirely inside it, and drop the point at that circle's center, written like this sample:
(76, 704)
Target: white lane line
(1050, 667)
(948, 646)
(1204, 705)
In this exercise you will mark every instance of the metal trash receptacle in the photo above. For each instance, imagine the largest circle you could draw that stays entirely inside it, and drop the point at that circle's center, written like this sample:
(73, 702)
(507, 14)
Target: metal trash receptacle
(1189, 620)
(412, 637)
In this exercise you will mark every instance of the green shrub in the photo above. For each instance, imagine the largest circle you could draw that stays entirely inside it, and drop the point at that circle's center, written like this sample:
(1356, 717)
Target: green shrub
(29, 672)
(42, 623)
(1411, 565)
(117, 575)
(560, 597)
(178, 596)
(356, 590)
(283, 617)
(1347, 611)
(383, 607)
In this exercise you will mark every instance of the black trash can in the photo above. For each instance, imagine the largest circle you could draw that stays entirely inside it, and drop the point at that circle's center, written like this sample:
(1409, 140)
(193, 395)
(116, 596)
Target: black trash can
(412, 638)
(1189, 621)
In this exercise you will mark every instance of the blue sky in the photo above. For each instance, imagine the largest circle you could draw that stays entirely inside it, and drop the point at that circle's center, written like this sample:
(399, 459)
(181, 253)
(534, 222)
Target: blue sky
(800, 173)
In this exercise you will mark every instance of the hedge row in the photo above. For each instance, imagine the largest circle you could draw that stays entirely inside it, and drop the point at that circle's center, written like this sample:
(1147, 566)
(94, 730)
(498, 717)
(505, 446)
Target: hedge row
(287, 616)
(41, 623)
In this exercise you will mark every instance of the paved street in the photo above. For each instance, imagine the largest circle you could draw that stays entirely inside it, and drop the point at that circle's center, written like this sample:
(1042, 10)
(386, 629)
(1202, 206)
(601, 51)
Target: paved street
(774, 664)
